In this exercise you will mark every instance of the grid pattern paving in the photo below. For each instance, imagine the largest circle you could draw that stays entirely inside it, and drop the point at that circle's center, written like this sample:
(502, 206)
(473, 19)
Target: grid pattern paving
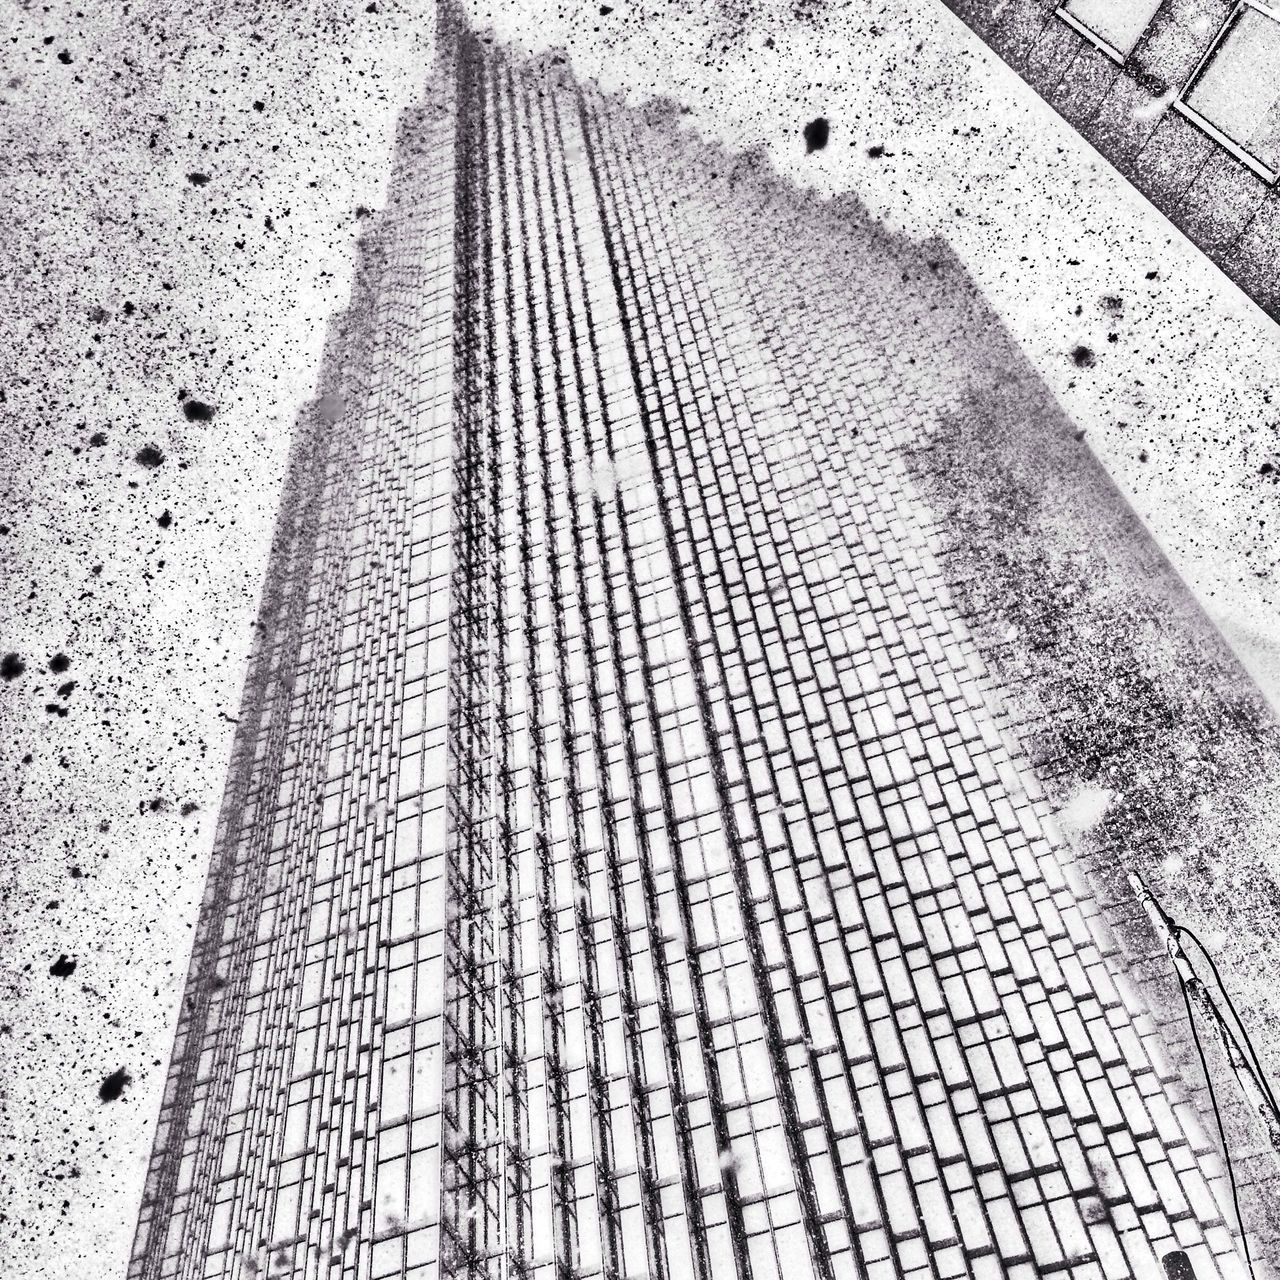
(623, 871)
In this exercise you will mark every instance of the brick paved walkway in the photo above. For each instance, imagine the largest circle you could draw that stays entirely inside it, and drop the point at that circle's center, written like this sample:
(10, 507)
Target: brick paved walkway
(627, 868)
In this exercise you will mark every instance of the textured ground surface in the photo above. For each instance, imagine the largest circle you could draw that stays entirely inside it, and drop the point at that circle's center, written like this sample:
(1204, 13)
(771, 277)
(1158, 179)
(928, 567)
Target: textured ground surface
(180, 245)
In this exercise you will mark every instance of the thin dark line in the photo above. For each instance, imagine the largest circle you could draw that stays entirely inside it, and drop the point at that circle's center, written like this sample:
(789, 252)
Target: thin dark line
(1217, 1115)
(1254, 1060)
